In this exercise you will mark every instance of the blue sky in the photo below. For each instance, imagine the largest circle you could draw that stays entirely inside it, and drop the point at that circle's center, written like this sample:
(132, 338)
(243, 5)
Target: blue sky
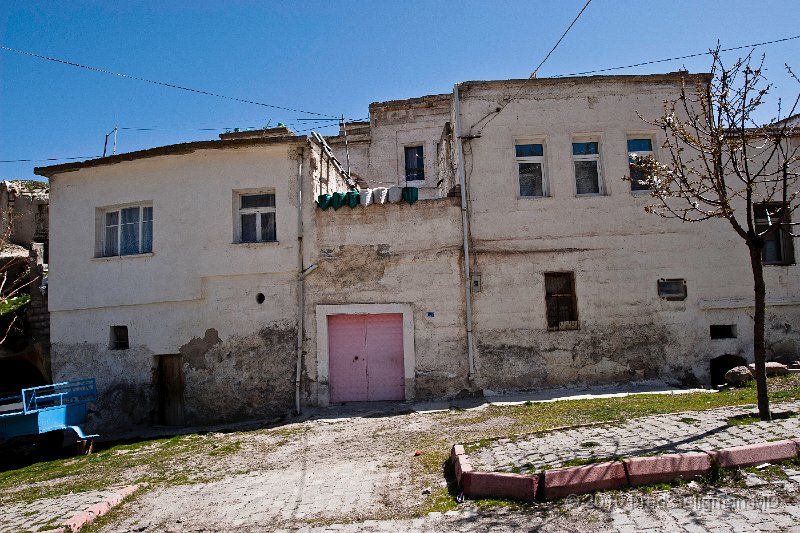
(329, 57)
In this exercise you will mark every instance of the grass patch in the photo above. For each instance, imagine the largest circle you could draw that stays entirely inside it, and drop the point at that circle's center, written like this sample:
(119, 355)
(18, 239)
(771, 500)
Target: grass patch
(155, 462)
(752, 418)
(541, 416)
(590, 444)
(583, 461)
(688, 420)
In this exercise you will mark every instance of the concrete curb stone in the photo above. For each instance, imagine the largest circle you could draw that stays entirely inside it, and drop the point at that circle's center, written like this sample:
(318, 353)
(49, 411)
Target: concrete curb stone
(500, 485)
(666, 468)
(562, 482)
(81, 518)
(755, 454)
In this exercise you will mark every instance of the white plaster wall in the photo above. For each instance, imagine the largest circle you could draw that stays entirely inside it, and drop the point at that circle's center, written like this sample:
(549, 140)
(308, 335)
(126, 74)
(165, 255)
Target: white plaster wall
(193, 232)
(379, 158)
(393, 254)
(194, 295)
(616, 250)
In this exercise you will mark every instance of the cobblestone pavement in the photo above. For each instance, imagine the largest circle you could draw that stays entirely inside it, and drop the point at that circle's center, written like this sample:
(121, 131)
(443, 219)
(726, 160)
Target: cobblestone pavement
(50, 512)
(759, 505)
(679, 432)
(266, 498)
(333, 474)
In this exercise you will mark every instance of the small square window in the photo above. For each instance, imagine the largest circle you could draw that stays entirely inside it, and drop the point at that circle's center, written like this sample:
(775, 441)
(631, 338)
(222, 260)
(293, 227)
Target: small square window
(256, 217)
(722, 331)
(562, 306)
(415, 163)
(586, 161)
(530, 169)
(672, 289)
(119, 338)
(641, 148)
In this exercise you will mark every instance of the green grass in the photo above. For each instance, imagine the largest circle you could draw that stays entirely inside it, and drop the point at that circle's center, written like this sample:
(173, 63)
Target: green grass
(542, 417)
(12, 304)
(583, 461)
(158, 461)
(752, 418)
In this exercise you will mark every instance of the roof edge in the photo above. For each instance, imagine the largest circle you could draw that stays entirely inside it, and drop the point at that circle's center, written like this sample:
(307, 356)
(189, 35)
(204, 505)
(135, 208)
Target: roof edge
(170, 149)
(631, 78)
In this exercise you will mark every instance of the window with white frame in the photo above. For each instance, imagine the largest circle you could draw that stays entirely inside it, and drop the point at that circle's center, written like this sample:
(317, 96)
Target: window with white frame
(256, 217)
(586, 160)
(530, 169)
(415, 163)
(641, 147)
(127, 230)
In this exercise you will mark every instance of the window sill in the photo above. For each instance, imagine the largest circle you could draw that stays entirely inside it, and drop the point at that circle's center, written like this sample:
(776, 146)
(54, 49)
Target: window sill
(592, 195)
(641, 192)
(526, 198)
(254, 244)
(122, 257)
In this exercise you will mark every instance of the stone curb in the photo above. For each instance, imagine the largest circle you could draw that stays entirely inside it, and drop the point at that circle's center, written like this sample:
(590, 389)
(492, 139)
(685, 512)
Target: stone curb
(755, 454)
(81, 518)
(562, 482)
(575, 480)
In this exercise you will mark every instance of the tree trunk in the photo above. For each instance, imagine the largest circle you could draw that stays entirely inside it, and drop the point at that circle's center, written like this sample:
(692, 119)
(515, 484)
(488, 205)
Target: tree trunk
(759, 349)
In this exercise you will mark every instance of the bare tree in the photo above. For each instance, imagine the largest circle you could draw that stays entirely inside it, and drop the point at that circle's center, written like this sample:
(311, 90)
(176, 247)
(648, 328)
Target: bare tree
(15, 276)
(722, 164)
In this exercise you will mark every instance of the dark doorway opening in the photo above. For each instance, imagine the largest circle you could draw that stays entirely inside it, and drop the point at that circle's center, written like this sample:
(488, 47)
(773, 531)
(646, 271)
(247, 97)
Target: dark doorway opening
(720, 365)
(16, 374)
(170, 389)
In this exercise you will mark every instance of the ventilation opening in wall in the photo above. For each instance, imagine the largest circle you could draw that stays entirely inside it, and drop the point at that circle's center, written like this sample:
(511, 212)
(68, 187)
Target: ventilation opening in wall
(672, 289)
(260, 298)
(722, 331)
(119, 338)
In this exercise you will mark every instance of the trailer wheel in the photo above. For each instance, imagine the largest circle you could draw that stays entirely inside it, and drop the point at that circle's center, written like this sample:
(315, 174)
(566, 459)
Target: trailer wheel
(85, 447)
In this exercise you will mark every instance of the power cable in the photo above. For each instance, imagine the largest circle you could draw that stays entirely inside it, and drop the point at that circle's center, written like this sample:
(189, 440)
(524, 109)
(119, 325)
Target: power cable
(163, 84)
(48, 159)
(676, 58)
(533, 74)
(311, 127)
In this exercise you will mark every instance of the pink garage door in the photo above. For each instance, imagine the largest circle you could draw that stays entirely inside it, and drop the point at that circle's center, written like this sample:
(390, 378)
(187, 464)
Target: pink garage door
(366, 357)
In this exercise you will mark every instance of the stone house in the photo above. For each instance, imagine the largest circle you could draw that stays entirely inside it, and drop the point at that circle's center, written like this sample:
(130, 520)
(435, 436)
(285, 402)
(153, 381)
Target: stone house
(204, 283)
(24, 355)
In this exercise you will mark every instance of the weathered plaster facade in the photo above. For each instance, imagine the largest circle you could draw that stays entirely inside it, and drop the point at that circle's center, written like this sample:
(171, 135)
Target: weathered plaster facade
(196, 295)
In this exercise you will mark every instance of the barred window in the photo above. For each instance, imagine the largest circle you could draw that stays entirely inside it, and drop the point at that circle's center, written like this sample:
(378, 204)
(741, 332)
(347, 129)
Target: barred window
(562, 306)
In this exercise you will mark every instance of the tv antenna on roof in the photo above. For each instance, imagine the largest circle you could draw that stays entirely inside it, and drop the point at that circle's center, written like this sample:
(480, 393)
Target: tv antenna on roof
(105, 145)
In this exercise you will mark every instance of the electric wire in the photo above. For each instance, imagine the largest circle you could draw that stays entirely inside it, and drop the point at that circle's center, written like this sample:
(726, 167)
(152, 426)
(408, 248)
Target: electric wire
(48, 159)
(533, 74)
(652, 62)
(129, 128)
(502, 106)
(162, 83)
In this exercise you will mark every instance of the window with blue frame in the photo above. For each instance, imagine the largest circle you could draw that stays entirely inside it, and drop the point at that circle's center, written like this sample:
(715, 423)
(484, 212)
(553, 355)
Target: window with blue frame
(586, 160)
(640, 148)
(530, 169)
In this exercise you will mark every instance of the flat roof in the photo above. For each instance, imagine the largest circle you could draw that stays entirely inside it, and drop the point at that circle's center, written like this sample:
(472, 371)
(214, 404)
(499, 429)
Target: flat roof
(170, 149)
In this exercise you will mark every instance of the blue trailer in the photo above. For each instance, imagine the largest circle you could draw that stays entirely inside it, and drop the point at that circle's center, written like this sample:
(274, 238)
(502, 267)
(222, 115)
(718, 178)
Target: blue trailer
(48, 409)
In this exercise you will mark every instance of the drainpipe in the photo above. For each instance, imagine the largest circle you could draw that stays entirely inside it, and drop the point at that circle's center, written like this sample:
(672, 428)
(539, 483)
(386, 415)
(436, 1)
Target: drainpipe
(300, 282)
(465, 225)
